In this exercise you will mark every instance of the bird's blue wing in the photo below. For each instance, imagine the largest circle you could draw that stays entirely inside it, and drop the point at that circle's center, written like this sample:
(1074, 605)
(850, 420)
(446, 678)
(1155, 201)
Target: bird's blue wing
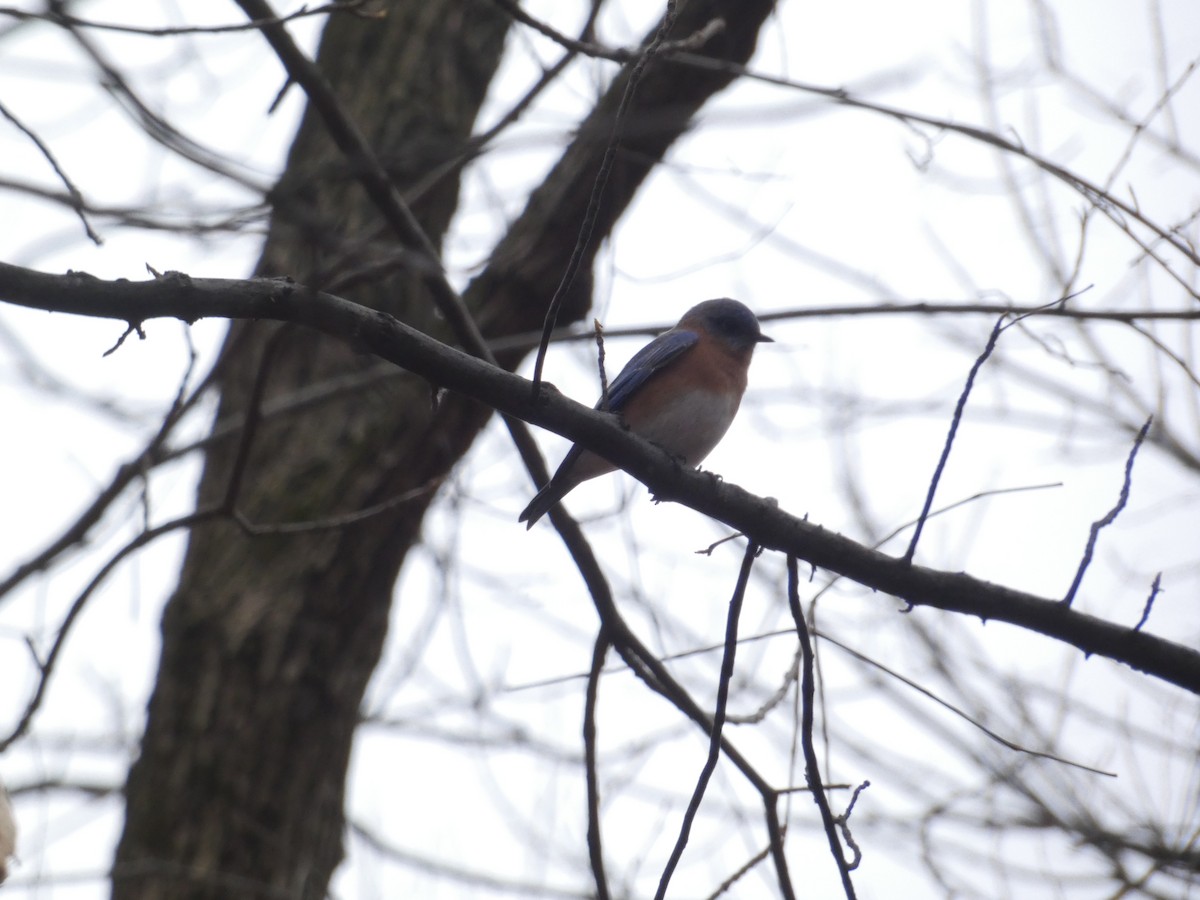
(656, 355)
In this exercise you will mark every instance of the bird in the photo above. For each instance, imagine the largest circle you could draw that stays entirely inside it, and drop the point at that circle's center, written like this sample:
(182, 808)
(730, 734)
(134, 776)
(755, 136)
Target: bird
(681, 392)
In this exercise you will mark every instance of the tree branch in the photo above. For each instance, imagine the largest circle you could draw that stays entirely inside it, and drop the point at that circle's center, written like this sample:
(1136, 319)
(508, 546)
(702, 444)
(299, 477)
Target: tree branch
(178, 296)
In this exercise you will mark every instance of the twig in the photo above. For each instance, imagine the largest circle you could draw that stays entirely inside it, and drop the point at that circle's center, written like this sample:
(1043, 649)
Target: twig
(843, 822)
(1109, 518)
(1108, 204)
(63, 18)
(718, 721)
(776, 832)
(999, 328)
(529, 339)
(812, 770)
(962, 714)
(77, 201)
(46, 668)
(861, 657)
(741, 872)
(78, 531)
(330, 523)
(1155, 590)
(131, 328)
(955, 421)
(547, 77)
(655, 675)
(155, 126)
(588, 225)
(598, 330)
(250, 425)
(596, 50)
(595, 849)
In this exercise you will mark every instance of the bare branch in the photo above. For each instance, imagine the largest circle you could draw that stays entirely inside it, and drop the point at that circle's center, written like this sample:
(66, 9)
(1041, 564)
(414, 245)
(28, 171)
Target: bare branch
(1108, 518)
(956, 420)
(587, 225)
(178, 296)
(60, 17)
(812, 768)
(76, 198)
(595, 846)
(714, 746)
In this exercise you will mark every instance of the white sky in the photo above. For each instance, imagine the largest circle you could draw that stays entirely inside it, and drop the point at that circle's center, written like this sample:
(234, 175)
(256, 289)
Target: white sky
(774, 199)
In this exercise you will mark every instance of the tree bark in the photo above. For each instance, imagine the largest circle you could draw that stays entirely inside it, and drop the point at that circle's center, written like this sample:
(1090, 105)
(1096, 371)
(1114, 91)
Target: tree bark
(269, 642)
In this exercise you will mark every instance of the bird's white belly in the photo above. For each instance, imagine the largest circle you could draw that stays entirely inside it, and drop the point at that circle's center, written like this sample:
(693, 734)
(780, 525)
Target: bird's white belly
(692, 425)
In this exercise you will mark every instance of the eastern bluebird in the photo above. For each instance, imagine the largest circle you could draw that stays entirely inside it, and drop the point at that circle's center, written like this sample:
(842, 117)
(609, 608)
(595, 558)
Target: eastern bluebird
(681, 392)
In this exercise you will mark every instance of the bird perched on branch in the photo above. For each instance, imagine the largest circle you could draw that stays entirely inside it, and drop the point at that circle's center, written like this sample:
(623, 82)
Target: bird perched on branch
(681, 392)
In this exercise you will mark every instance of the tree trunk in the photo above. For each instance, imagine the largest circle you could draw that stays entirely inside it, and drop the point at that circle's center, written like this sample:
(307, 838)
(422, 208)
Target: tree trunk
(269, 641)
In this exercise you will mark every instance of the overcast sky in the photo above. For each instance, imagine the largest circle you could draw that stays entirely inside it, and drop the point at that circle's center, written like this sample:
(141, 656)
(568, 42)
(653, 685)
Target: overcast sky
(778, 198)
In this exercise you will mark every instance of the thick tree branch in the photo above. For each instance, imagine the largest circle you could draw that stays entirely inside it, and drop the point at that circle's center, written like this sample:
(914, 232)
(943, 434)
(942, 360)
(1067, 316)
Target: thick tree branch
(178, 296)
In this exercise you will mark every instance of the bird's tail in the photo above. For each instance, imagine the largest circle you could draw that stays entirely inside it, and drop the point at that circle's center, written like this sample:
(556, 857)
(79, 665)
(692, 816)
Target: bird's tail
(540, 504)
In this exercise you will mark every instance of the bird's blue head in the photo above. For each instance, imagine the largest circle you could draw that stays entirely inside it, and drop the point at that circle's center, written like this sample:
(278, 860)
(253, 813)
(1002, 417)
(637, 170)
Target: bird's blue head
(729, 320)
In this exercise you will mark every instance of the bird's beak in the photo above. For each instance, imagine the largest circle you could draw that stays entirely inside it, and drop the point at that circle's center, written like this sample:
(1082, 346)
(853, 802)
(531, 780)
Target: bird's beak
(763, 339)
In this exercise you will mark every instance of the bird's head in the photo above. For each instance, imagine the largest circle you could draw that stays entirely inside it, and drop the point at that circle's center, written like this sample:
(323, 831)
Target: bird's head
(729, 320)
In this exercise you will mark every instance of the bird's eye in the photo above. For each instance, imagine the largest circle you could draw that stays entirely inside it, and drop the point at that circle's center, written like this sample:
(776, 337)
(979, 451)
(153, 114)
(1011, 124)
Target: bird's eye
(732, 324)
